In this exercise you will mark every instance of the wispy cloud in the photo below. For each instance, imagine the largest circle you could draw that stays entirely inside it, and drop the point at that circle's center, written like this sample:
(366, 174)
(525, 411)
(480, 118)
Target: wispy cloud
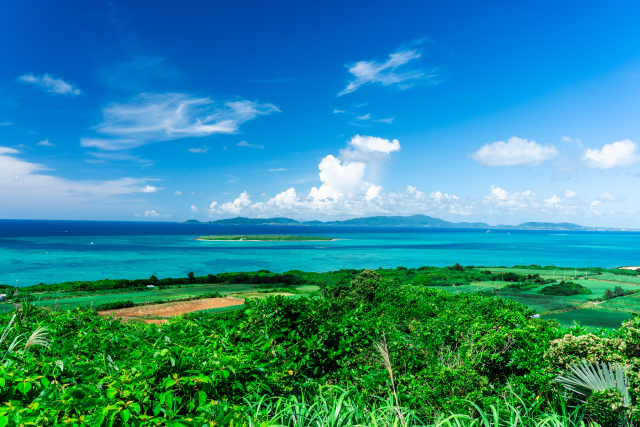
(387, 73)
(246, 144)
(365, 117)
(118, 157)
(178, 193)
(50, 84)
(233, 179)
(6, 123)
(387, 120)
(204, 149)
(150, 118)
(336, 111)
(278, 170)
(46, 143)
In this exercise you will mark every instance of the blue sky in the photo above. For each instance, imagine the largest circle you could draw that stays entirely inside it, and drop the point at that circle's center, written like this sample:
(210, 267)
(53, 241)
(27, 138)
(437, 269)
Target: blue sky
(497, 112)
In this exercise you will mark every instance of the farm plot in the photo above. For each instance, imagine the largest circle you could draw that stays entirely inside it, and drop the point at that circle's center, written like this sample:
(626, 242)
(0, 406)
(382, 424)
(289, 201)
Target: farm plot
(629, 304)
(590, 317)
(542, 303)
(597, 287)
(172, 309)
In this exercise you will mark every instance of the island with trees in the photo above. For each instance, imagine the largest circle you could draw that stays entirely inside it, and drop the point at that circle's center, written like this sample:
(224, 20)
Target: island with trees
(266, 238)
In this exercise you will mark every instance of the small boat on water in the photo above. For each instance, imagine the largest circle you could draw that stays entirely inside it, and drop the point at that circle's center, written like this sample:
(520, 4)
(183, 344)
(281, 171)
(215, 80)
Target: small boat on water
(488, 231)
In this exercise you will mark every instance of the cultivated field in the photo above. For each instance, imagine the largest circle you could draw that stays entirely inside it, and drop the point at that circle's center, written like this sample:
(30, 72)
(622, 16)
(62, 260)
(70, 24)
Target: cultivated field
(172, 309)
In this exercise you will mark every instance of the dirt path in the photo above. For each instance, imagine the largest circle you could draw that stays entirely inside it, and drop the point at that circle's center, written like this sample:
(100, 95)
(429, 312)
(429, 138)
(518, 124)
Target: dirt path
(172, 309)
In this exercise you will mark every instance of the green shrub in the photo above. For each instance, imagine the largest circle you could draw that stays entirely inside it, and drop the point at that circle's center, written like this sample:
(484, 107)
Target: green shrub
(565, 289)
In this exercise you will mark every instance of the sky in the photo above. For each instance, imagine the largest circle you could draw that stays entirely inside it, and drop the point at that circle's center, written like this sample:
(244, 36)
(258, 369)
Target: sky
(500, 112)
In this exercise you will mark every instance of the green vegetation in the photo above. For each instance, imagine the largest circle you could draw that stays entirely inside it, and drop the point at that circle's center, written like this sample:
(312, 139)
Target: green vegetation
(267, 238)
(565, 289)
(367, 349)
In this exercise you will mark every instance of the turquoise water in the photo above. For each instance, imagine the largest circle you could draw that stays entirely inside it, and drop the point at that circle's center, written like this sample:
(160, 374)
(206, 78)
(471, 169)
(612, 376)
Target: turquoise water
(55, 251)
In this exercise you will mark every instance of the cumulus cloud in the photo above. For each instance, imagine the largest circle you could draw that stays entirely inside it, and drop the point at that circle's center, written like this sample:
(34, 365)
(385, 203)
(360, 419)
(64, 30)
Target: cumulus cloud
(369, 148)
(234, 207)
(246, 144)
(619, 153)
(194, 209)
(149, 189)
(515, 152)
(46, 143)
(150, 118)
(151, 214)
(178, 193)
(570, 194)
(50, 84)
(387, 73)
(501, 199)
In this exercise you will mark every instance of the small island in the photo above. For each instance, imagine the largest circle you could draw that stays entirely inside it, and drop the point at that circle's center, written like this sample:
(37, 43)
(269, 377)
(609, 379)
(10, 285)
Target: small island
(256, 238)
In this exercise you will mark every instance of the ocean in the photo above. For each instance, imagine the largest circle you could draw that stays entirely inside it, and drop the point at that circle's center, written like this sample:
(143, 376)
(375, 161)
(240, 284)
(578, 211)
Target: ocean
(33, 252)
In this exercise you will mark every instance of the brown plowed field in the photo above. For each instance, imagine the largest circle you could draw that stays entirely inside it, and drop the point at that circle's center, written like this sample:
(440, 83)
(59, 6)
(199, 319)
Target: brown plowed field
(171, 308)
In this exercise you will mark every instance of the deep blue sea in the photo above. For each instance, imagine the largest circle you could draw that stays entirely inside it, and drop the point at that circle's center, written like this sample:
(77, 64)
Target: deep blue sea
(55, 251)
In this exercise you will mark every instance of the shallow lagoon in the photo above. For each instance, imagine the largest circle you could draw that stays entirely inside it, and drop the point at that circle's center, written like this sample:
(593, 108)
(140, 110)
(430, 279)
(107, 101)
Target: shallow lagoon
(57, 251)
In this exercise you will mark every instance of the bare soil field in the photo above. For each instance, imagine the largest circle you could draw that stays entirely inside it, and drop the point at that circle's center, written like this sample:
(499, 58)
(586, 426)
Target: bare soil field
(172, 309)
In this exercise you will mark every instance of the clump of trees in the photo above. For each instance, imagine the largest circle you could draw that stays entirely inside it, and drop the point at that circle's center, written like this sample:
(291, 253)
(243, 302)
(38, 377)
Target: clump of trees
(565, 289)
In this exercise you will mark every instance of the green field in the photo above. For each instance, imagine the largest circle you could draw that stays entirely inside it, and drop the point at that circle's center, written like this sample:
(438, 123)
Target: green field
(172, 293)
(590, 317)
(266, 238)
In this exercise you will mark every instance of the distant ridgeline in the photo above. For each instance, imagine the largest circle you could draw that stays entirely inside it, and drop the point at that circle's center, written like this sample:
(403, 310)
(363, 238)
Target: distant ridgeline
(403, 221)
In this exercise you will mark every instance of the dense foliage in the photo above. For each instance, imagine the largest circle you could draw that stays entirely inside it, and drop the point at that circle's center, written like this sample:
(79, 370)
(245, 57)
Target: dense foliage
(565, 289)
(444, 350)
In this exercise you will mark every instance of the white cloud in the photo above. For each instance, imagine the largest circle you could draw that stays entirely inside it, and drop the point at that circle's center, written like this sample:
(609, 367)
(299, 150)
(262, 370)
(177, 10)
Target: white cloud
(117, 157)
(570, 194)
(515, 152)
(46, 143)
(149, 214)
(278, 170)
(204, 149)
(338, 179)
(246, 144)
(5, 123)
(386, 73)
(553, 201)
(28, 187)
(194, 209)
(608, 197)
(619, 153)
(150, 118)
(387, 120)
(51, 84)
(234, 207)
(233, 179)
(178, 193)
(368, 149)
(501, 199)
(336, 111)
(264, 195)
(149, 189)
(365, 117)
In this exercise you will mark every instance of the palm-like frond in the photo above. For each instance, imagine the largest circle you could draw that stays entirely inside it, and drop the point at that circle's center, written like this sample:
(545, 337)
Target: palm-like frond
(586, 378)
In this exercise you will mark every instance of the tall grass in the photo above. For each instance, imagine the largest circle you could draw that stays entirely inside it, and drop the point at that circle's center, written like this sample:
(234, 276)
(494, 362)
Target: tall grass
(345, 410)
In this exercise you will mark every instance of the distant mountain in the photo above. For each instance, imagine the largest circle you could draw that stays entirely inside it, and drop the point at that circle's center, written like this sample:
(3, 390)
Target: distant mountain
(247, 221)
(402, 221)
